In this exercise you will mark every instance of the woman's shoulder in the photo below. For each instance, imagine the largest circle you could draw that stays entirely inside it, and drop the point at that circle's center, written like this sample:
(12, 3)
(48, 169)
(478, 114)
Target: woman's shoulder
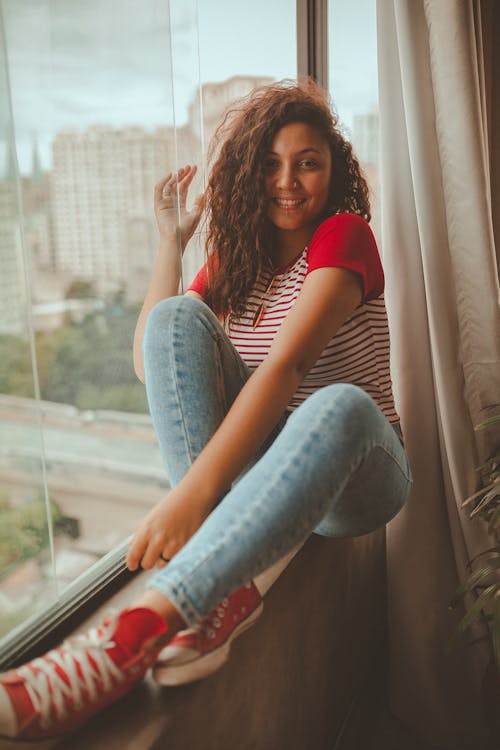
(345, 240)
(342, 223)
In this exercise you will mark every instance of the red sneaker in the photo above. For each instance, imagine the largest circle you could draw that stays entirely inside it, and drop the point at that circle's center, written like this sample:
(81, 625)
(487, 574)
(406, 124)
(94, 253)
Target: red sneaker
(53, 694)
(199, 651)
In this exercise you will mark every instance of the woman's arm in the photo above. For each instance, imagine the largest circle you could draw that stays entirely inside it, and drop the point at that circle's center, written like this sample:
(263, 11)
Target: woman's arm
(164, 282)
(174, 236)
(328, 297)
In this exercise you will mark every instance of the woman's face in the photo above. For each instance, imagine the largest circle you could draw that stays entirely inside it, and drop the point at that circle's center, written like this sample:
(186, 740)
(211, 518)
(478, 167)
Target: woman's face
(297, 177)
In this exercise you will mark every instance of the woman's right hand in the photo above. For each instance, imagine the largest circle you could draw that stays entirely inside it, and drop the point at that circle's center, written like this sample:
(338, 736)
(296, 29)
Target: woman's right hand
(170, 198)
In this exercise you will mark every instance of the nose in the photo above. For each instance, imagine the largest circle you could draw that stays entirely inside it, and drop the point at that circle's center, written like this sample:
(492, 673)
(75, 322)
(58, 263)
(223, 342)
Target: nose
(285, 177)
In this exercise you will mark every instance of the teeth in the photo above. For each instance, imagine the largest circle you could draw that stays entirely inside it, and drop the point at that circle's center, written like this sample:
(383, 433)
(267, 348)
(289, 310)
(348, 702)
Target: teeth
(288, 203)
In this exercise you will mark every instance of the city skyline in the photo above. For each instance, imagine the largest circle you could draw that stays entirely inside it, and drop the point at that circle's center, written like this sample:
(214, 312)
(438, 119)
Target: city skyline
(67, 72)
(90, 217)
(93, 210)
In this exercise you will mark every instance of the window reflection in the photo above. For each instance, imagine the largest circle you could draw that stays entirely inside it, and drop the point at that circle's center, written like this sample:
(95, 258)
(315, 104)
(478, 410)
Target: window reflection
(26, 549)
(352, 49)
(107, 98)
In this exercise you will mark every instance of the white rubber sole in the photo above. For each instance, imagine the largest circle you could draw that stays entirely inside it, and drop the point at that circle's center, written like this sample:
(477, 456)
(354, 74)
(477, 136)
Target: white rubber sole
(203, 666)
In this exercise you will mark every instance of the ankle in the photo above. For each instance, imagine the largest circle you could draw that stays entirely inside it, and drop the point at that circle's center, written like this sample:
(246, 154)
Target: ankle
(156, 601)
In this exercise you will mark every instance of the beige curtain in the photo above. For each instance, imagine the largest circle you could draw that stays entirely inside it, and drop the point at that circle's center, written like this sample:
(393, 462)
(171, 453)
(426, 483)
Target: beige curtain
(442, 297)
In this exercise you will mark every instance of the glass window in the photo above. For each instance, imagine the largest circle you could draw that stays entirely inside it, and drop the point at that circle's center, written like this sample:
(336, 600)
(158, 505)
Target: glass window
(27, 518)
(353, 82)
(106, 97)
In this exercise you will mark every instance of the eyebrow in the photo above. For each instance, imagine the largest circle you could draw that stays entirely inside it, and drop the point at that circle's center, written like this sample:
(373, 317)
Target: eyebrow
(303, 151)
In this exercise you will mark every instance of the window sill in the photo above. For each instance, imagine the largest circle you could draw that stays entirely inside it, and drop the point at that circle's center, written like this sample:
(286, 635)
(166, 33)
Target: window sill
(47, 628)
(292, 678)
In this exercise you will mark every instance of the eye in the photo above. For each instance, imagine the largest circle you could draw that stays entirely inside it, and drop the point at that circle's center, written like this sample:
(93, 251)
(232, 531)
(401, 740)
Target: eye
(271, 164)
(308, 164)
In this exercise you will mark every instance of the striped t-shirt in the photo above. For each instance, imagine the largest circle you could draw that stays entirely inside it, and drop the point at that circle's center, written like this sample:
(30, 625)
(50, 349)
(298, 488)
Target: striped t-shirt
(359, 351)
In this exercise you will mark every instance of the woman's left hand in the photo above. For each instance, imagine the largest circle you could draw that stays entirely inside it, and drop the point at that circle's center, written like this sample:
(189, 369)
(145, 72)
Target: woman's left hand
(164, 531)
(170, 205)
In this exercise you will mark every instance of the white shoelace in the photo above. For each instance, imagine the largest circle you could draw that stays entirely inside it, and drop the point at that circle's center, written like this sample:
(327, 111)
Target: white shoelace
(48, 690)
(207, 625)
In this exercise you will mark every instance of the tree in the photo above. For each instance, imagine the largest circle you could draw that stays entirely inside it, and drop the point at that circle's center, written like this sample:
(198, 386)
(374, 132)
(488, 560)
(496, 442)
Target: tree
(16, 368)
(24, 530)
(80, 289)
(88, 364)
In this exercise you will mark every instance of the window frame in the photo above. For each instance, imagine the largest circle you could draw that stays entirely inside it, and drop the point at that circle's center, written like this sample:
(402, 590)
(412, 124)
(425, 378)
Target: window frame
(80, 599)
(312, 40)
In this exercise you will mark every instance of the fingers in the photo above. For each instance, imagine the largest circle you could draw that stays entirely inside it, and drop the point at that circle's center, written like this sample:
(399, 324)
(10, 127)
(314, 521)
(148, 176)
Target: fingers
(134, 554)
(158, 550)
(159, 187)
(175, 184)
(186, 179)
(199, 204)
(148, 551)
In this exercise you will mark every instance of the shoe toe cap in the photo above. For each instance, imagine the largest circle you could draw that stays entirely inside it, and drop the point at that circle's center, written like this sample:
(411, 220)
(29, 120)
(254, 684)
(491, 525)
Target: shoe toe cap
(8, 718)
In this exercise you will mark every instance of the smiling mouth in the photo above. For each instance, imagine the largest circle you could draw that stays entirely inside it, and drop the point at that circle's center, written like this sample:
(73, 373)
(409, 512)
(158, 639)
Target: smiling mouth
(289, 204)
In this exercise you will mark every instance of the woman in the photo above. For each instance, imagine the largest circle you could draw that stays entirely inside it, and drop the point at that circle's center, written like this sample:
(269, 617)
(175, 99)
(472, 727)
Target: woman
(269, 388)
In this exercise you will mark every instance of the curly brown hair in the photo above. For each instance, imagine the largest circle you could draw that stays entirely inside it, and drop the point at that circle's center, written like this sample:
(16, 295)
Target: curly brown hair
(239, 233)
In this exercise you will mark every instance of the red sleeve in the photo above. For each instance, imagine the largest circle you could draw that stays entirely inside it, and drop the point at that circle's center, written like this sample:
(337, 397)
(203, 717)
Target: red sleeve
(346, 241)
(199, 283)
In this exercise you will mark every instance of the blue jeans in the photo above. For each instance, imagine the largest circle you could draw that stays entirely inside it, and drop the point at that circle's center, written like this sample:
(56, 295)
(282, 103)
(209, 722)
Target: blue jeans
(334, 465)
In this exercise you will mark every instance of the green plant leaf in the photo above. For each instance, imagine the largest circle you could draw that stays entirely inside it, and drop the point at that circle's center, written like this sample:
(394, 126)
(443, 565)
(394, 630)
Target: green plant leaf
(495, 628)
(496, 549)
(469, 499)
(475, 611)
(489, 465)
(494, 522)
(473, 580)
(487, 499)
(476, 608)
(487, 423)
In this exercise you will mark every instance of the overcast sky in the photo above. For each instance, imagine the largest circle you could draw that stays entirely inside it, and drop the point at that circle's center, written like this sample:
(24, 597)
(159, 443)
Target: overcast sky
(74, 63)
